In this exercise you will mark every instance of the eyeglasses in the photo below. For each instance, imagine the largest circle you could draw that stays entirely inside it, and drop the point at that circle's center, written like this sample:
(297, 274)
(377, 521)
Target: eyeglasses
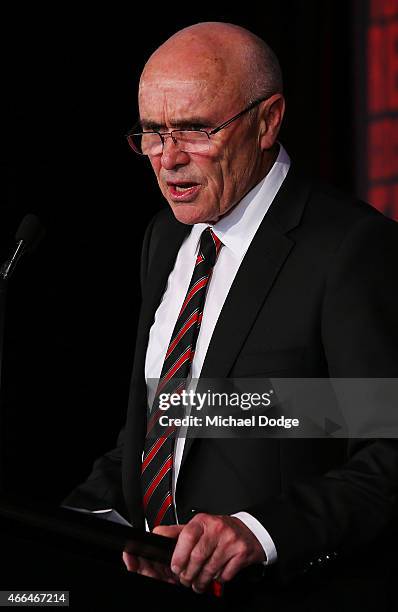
(188, 141)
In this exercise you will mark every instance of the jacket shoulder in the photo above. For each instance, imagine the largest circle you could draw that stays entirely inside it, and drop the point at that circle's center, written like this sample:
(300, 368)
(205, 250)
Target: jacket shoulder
(329, 206)
(331, 216)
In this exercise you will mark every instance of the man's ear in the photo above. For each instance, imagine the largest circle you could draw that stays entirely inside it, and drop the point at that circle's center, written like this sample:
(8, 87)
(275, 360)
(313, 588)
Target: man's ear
(271, 120)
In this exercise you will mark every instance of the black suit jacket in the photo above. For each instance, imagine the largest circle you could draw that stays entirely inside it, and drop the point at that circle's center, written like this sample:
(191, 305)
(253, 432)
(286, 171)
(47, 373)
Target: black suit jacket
(316, 296)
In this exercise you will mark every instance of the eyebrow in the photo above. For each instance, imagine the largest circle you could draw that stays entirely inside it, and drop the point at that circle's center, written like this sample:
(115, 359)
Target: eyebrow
(195, 121)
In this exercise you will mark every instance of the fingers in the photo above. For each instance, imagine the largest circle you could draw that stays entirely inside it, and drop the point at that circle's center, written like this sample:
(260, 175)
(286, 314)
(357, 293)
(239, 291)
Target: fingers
(230, 570)
(187, 540)
(153, 569)
(169, 531)
(208, 555)
(159, 571)
(211, 570)
(130, 562)
(224, 564)
(198, 564)
(228, 546)
(150, 569)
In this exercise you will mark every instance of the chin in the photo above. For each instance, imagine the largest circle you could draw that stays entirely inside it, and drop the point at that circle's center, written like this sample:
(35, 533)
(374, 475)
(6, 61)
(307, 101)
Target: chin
(189, 214)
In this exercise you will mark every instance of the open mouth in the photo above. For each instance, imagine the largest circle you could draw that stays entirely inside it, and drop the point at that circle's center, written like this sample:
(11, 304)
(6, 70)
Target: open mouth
(183, 190)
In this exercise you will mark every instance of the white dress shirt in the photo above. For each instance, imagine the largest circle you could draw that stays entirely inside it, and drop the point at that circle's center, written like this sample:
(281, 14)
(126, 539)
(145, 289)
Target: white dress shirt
(236, 231)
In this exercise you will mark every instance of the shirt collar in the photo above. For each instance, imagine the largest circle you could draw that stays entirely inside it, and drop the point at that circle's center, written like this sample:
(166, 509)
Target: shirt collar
(236, 230)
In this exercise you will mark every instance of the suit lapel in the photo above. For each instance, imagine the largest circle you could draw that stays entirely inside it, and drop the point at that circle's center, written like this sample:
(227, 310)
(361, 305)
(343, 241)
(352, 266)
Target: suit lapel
(259, 269)
(252, 283)
(261, 265)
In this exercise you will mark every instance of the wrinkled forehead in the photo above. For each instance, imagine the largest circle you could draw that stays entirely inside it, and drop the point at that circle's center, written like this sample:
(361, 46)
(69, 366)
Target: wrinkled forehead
(159, 91)
(180, 97)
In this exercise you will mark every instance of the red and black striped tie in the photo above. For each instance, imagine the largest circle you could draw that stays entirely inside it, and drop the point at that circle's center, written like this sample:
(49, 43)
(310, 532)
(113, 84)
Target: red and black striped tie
(157, 464)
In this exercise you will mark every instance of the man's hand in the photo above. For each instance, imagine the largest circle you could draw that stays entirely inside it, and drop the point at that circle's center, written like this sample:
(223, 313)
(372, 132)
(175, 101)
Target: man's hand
(153, 569)
(209, 547)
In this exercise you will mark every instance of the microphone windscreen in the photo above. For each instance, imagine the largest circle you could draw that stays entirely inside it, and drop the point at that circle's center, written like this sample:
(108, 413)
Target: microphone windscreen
(31, 231)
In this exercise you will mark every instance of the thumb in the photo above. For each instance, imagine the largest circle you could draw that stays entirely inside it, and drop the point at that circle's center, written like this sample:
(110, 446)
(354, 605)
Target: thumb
(130, 562)
(170, 531)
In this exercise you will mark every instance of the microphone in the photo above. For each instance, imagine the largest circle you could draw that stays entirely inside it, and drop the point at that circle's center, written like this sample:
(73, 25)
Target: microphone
(29, 234)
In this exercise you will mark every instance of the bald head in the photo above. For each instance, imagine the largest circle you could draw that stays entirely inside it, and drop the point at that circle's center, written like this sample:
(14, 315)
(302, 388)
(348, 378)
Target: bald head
(224, 54)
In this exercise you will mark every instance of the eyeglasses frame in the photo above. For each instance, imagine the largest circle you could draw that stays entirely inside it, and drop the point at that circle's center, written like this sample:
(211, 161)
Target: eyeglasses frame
(215, 130)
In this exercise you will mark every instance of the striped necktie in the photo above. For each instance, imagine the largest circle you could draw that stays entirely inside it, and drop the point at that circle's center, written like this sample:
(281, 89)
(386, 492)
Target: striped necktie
(157, 464)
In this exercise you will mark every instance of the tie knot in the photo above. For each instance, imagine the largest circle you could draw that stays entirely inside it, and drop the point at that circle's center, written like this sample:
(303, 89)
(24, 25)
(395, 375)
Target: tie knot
(209, 246)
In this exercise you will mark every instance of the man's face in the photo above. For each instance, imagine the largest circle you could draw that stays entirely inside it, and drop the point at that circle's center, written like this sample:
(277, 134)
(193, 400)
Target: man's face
(201, 187)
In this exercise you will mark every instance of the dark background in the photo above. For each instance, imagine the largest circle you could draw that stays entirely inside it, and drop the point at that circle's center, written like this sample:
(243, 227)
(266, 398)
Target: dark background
(72, 306)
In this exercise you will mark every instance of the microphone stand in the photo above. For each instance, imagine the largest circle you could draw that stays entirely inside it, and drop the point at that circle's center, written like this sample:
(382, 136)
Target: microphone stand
(5, 272)
(3, 296)
(28, 235)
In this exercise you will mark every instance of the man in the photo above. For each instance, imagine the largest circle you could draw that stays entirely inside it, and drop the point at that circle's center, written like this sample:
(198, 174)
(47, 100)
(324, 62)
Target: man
(301, 284)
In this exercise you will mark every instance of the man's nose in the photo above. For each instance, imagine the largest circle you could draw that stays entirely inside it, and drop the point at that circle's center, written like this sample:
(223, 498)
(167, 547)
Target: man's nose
(172, 156)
